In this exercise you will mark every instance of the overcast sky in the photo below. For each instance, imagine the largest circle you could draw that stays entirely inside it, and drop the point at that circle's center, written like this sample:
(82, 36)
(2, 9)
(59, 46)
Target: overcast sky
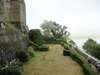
(81, 16)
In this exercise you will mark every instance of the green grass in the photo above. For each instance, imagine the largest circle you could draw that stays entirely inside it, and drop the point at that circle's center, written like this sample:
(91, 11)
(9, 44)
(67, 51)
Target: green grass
(52, 62)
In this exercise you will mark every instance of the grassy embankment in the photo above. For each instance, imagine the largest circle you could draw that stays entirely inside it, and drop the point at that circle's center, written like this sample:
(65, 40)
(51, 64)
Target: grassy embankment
(52, 62)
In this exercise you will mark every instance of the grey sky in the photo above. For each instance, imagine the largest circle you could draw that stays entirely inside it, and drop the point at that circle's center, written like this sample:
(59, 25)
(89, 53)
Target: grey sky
(81, 16)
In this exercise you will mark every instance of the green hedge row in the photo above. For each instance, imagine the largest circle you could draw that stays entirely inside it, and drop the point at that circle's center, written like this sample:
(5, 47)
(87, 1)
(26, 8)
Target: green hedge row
(30, 51)
(38, 48)
(33, 45)
(81, 60)
(43, 48)
(53, 41)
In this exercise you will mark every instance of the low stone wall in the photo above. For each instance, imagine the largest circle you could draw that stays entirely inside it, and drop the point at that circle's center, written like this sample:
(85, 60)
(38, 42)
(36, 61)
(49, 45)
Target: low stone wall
(86, 56)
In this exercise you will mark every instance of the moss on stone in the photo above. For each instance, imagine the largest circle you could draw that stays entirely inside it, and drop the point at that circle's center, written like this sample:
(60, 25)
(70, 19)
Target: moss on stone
(9, 25)
(1, 6)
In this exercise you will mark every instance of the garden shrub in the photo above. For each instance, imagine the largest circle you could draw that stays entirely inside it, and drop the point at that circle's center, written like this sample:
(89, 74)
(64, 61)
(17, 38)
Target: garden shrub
(33, 45)
(62, 43)
(36, 36)
(14, 69)
(51, 40)
(43, 48)
(22, 56)
(31, 52)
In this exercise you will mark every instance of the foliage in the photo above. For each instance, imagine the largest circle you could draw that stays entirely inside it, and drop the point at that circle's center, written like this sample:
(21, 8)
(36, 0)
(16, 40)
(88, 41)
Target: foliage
(53, 29)
(96, 51)
(51, 40)
(31, 52)
(14, 69)
(38, 48)
(33, 45)
(36, 36)
(22, 56)
(71, 42)
(88, 45)
(81, 60)
(43, 48)
(9, 25)
(92, 47)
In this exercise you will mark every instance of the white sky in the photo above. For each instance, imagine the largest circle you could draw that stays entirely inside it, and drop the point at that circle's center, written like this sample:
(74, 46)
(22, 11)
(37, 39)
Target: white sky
(81, 16)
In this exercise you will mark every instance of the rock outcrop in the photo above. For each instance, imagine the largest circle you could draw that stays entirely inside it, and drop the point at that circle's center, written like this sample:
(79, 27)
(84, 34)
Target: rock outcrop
(13, 29)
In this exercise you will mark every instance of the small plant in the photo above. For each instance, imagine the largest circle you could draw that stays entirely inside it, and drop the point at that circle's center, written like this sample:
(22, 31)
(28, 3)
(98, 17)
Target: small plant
(22, 56)
(14, 69)
(33, 45)
(31, 52)
(9, 25)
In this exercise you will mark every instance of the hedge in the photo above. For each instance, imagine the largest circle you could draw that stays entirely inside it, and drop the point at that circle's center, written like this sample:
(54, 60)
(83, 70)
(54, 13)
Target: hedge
(22, 56)
(33, 45)
(36, 36)
(43, 48)
(81, 60)
(30, 51)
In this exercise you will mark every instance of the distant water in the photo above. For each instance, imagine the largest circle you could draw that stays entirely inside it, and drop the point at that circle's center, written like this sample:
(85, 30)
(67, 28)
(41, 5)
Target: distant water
(80, 42)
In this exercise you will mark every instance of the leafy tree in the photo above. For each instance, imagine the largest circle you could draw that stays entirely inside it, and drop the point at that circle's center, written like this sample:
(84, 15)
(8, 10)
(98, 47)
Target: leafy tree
(88, 45)
(35, 36)
(92, 47)
(53, 29)
(96, 51)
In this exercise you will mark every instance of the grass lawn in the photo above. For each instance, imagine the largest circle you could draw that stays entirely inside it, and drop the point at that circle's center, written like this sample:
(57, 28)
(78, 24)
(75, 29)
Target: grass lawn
(52, 62)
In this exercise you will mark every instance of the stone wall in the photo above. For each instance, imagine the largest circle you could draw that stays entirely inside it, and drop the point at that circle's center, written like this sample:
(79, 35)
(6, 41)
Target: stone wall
(10, 42)
(14, 11)
(13, 29)
(1, 10)
(86, 56)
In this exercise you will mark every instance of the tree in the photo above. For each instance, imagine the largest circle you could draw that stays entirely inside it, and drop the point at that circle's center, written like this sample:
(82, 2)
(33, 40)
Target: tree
(88, 45)
(36, 36)
(92, 47)
(96, 51)
(53, 29)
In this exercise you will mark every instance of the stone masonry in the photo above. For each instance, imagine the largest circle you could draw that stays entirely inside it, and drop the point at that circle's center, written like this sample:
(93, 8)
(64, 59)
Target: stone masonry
(13, 29)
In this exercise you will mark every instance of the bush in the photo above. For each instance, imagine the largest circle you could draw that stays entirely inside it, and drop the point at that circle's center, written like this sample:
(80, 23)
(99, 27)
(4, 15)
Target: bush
(13, 69)
(36, 36)
(66, 46)
(43, 48)
(92, 47)
(33, 45)
(81, 60)
(62, 43)
(31, 52)
(22, 56)
(51, 40)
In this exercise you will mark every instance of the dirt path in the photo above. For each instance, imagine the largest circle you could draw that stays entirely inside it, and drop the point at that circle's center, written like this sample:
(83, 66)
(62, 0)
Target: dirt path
(52, 63)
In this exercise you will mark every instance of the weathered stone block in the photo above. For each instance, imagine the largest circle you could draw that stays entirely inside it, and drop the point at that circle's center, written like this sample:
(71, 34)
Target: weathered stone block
(13, 29)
